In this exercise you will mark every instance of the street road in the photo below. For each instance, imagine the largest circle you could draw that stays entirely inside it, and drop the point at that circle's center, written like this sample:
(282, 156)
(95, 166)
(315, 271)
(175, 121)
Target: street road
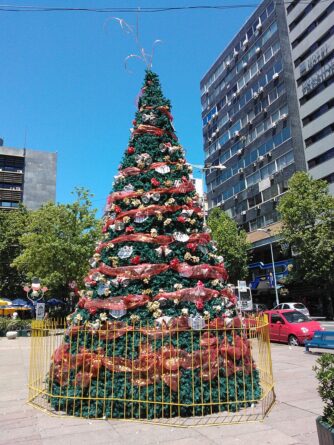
(328, 325)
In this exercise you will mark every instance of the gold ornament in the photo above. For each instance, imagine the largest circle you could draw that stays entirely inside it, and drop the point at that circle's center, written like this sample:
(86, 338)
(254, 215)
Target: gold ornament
(178, 286)
(157, 313)
(154, 233)
(167, 221)
(126, 219)
(134, 318)
(187, 256)
(146, 280)
(159, 216)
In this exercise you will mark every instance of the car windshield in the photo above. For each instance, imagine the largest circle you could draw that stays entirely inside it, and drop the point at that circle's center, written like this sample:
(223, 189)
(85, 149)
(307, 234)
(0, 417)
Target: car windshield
(299, 306)
(296, 317)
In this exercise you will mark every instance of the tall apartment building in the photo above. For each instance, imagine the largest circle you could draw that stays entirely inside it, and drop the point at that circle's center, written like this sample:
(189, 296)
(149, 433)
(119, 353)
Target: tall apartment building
(251, 121)
(311, 32)
(26, 176)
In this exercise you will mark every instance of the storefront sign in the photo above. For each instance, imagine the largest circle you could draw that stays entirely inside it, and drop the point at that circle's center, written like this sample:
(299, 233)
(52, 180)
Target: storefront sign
(40, 311)
(318, 55)
(320, 76)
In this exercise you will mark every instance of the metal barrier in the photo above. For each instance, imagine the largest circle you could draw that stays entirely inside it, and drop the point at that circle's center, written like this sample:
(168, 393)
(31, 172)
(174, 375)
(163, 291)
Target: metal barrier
(177, 376)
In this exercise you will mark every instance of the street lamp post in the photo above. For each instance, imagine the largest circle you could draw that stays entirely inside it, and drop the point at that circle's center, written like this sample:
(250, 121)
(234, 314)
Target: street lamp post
(267, 231)
(203, 169)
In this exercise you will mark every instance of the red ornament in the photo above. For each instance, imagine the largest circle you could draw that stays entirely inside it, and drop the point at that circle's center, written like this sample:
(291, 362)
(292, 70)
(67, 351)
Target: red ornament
(129, 229)
(192, 246)
(135, 259)
(199, 304)
(117, 209)
(92, 310)
(184, 179)
(155, 182)
(134, 122)
(181, 219)
(174, 263)
(81, 303)
(131, 150)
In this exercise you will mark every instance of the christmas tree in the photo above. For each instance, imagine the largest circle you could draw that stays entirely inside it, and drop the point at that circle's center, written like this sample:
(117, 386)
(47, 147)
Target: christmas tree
(156, 332)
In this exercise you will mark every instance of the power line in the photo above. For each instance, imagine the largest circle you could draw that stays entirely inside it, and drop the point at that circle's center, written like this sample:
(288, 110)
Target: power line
(28, 8)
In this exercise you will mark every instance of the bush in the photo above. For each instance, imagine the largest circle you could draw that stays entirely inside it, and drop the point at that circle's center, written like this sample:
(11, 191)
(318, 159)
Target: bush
(8, 324)
(324, 370)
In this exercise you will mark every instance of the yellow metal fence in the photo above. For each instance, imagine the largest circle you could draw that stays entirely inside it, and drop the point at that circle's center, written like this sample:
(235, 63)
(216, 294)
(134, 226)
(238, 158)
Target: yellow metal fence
(172, 376)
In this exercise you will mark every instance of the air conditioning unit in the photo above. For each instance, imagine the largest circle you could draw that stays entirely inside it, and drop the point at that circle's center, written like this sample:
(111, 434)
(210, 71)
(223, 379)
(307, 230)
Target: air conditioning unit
(244, 65)
(228, 63)
(258, 50)
(234, 95)
(284, 116)
(213, 134)
(235, 197)
(229, 103)
(243, 212)
(245, 43)
(275, 76)
(240, 151)
(275, 199)
(269, 154)
(259, 26)
(274, 124)
(261, 89)
(250, 123)
(231, 120)
(235, 53)
(254, 164)
(255, 95)
(240, 171)
(258, 207)
(271, 177)
(260, 158)
(265, 110)
(236, 134)
(209, 139)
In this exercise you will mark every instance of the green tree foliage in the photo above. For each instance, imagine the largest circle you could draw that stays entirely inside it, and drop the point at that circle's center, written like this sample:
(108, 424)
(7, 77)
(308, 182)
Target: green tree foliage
(12, 226)
(58, 241)
(307, 212)
(231, 243)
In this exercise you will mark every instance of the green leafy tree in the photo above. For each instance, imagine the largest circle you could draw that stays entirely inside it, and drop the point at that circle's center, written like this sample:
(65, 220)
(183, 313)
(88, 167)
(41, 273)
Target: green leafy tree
(12, 227)
(58, 242)
(307, 212)
(231, 243)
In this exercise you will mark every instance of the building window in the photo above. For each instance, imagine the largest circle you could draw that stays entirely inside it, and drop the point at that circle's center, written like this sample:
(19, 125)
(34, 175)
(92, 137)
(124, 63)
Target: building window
(291, 6)
(318, 112)
(312, 26)
(324, 157)
(320, 135)
(315, 46)
(329, 178)
(303, 14)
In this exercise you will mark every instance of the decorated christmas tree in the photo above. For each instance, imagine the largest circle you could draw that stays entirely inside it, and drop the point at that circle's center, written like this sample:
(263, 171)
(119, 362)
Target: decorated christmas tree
(156, 332)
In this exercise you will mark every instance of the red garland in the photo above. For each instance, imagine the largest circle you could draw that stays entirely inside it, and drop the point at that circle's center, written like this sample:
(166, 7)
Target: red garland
(212, 358)
(198, 238)
(185, 187)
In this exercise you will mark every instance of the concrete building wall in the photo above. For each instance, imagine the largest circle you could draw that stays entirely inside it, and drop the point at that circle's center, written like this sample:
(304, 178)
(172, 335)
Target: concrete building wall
(311, 35)
(26, 176)
(251, 120)
(39, 178)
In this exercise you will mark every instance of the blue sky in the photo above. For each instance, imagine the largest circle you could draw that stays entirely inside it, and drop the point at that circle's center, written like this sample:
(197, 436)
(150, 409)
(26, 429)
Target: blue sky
(64, 87)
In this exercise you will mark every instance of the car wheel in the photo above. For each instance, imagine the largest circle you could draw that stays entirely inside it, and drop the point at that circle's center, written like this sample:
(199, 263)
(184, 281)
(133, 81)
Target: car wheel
(293, 341)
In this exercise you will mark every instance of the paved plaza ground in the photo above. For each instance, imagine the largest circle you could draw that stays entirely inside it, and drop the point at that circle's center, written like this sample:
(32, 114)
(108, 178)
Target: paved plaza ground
(291, 420)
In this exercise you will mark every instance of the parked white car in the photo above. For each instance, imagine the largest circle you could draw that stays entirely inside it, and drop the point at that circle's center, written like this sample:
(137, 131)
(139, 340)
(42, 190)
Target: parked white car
(297, 306)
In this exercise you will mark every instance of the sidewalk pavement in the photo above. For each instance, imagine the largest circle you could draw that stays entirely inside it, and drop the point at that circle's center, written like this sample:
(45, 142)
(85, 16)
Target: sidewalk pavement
(291, 420)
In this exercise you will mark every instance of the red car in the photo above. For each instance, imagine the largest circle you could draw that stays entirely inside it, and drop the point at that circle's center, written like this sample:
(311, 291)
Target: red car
(291, 326)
